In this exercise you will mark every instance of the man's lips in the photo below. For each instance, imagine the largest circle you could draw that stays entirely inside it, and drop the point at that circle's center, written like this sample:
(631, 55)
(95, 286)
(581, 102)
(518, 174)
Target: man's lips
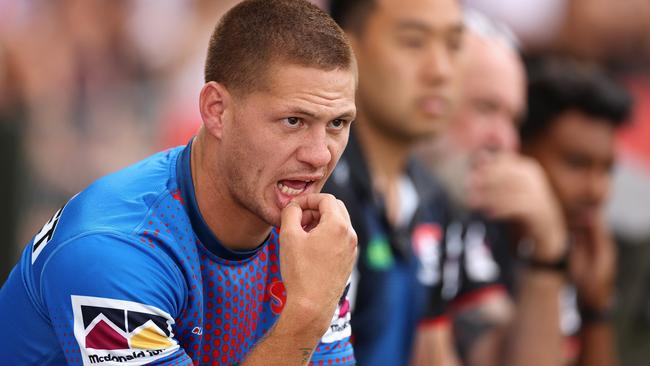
(435, 106)
(295, 186)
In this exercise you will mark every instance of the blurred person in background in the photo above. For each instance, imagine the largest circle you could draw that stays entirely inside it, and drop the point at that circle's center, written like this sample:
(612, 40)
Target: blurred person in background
(82, 89)
(408, 54)
(574, 111)
(110, 80)
(494, 190)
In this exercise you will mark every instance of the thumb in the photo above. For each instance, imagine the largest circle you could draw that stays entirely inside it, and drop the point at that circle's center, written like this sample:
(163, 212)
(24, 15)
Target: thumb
(291, 218)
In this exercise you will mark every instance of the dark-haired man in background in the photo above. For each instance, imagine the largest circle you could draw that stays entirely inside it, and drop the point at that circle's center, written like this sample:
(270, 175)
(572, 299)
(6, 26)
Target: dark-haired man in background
(180, 259)
(408, 53)
(573, 113)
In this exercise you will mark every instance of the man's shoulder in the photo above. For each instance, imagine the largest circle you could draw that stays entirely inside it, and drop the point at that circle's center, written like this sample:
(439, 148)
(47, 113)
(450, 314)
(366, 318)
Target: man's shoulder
(121, 207)
(122, 200)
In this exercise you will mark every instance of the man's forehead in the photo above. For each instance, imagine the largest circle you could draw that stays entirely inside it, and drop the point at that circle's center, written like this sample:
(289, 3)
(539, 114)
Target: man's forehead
(286, 74)
(424, 15)
(579, 131)
(309, 91)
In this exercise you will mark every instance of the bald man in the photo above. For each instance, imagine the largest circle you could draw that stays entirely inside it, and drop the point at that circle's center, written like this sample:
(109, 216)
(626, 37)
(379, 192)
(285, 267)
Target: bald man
(495, 190)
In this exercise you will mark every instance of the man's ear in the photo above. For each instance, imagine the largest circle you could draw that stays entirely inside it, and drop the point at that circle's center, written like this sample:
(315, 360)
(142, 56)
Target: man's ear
(214, 103)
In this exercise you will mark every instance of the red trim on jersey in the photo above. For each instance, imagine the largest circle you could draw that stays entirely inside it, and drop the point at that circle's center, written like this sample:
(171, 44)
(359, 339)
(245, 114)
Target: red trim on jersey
(476, 297)
(439, 321)
(572, 346)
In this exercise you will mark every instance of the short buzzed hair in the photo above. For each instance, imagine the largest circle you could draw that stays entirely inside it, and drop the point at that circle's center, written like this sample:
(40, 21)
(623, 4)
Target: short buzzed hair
(558, 85)
(255, 34)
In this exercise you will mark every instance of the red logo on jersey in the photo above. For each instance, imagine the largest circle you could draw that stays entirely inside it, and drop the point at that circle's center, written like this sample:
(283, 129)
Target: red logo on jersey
(278, 296)
(425, 237)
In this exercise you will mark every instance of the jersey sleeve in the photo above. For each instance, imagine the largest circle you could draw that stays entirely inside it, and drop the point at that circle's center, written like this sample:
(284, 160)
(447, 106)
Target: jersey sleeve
(335, 347)
(112, 301)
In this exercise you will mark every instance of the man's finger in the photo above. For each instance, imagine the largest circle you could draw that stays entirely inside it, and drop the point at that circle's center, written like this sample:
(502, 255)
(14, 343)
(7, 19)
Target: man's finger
(324, 203)
(310, 219)
(291, 217)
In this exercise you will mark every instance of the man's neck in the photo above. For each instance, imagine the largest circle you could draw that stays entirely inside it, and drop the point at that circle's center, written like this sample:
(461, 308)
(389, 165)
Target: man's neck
(386, 157)
(236, 227)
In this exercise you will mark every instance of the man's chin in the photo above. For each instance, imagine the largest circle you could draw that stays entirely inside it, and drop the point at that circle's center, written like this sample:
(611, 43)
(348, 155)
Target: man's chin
(273, 218)
(582, 220)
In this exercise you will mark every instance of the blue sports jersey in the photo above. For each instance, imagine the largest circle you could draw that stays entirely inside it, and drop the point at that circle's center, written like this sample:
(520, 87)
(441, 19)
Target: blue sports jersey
(128, 273)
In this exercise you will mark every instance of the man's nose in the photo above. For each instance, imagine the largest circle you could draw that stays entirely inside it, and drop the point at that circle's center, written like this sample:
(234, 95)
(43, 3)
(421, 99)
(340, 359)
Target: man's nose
(438, 66)
(314, 149)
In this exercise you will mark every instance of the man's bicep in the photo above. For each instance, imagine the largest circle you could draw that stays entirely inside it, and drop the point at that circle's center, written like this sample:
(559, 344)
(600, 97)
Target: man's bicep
(110, 301)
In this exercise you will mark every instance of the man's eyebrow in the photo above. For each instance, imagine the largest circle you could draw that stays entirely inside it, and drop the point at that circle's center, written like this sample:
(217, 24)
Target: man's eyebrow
(307, 113)
(302, 111)
(415, 25)
(350, 114)
(409, 24)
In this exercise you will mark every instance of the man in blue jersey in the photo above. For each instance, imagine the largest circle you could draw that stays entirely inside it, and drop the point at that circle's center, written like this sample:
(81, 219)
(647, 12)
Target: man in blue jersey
(221, 252)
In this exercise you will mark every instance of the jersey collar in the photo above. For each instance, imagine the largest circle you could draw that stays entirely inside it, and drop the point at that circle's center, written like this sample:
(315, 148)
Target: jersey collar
(200, 227)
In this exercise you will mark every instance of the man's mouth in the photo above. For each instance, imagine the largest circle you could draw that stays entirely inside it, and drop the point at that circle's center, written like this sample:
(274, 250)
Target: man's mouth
(435, 106)
(290, 188)
(293, 187)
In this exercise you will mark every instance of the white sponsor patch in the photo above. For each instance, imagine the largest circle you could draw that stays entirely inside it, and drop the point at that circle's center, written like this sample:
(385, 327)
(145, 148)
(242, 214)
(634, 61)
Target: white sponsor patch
(118, 332)
(45, 235)
(340, 326)
(479, 262)
(426, 244)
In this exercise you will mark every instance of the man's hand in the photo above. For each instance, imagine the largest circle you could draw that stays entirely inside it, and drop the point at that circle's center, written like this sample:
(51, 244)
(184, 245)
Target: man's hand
(317, 254)
(513, 187)
(592, 265)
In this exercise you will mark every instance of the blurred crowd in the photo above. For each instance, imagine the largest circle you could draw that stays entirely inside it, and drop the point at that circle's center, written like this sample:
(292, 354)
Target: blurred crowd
(87, 87)
(90, 86)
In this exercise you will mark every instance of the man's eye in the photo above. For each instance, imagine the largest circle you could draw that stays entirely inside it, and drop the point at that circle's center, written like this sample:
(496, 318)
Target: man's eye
(292, 122)
(338, 123)
(413, 43)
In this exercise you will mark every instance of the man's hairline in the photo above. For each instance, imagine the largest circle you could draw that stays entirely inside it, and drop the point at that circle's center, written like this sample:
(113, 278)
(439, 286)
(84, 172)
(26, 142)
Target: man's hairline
(544, 131)
(359, 30)
(262, 84)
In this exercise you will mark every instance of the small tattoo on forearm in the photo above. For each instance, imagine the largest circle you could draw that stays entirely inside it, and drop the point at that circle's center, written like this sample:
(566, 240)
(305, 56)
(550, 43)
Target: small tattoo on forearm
(306, 354)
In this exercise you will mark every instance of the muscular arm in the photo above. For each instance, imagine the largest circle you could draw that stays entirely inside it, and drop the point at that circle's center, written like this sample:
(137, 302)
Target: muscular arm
(317, 253)
(514, 188)
(535, 338)
(291, 341)
(593, 267)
